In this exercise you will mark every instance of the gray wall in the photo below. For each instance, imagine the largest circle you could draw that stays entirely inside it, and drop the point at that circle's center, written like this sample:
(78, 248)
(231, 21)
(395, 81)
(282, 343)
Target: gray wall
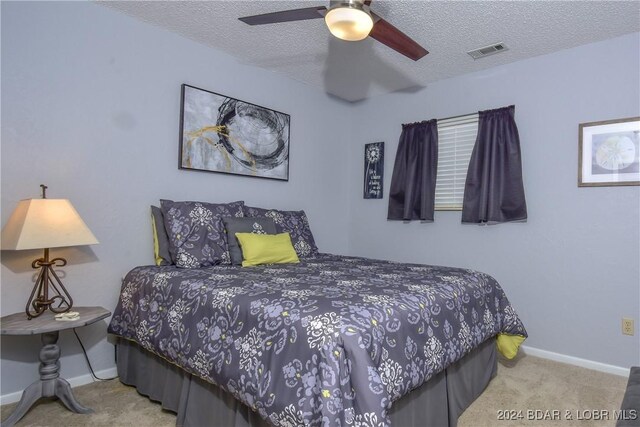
(573, 270)
(90, 106)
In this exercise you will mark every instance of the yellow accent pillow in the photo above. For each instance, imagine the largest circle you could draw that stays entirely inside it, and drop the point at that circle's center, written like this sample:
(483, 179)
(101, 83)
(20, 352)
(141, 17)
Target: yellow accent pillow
(508, 344)
(266, 249)
(156, 245)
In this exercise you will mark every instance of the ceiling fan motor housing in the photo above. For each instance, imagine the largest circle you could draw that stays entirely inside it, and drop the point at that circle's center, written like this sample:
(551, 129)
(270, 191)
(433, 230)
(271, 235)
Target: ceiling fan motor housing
(353, 4)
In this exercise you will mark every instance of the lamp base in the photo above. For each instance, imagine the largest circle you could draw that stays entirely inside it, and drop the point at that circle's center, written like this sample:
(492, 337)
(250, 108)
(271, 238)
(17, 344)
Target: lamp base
(43, 297)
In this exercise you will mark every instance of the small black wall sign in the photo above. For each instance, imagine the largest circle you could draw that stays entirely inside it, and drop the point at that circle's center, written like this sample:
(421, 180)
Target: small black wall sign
(373, 170)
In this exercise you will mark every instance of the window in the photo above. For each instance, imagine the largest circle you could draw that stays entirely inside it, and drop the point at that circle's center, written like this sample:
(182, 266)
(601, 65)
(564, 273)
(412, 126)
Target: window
(456, 138)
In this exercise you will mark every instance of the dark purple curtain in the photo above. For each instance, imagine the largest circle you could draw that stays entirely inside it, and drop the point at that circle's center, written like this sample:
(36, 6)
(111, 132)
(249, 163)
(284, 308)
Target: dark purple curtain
(494, 191)
(413, 183)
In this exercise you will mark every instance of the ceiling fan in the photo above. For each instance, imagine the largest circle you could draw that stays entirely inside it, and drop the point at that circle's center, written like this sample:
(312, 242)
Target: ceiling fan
(350, 20)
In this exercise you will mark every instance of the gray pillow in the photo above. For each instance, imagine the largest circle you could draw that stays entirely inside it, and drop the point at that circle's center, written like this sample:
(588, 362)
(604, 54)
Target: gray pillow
(196, 232)
(293, 222)
(245, 225)
(161, 253)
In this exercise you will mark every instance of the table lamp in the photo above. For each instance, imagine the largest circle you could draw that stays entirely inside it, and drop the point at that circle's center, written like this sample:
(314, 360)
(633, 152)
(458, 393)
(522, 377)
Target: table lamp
(43, 224)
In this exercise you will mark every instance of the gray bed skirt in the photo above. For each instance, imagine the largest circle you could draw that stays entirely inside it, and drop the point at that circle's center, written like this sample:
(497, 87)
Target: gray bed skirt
(437, 403)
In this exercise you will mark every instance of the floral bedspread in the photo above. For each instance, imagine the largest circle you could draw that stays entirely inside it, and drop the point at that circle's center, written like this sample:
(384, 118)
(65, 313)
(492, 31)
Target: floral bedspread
(331, 341)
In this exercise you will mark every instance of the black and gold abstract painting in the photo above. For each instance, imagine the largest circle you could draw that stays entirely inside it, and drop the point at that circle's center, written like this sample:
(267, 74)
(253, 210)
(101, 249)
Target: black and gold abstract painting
(223, 134)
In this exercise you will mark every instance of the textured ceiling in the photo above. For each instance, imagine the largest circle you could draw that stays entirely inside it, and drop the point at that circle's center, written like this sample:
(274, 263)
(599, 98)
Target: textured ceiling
(305, 50)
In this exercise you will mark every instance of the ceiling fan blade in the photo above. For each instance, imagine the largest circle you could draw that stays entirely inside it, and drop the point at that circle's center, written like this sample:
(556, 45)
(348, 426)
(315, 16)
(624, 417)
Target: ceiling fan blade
(389, 35)
(285, 16)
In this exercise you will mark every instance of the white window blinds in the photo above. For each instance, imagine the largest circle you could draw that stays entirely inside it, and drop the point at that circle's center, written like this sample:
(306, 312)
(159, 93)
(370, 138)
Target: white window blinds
(456, 138)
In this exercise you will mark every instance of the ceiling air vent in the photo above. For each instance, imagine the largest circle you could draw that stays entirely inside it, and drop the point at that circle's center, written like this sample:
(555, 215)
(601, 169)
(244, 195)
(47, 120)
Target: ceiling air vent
(487, 50)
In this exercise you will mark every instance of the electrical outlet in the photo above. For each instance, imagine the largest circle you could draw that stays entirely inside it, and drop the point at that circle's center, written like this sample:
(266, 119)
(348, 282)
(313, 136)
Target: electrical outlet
(627, 326)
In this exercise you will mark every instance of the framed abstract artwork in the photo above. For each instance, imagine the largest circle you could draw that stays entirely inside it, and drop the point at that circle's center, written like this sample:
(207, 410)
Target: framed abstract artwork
(223, 134)
(609, 153)
(373, 170)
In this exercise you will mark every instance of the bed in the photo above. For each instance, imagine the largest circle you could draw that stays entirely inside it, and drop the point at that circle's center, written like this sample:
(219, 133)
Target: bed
(332, 340)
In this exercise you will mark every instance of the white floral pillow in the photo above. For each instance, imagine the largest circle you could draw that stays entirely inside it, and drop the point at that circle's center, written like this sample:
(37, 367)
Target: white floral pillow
(196, 232)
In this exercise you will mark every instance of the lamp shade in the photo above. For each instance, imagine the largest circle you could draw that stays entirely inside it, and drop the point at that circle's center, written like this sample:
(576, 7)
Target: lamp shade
(349, 23)
(45, 223)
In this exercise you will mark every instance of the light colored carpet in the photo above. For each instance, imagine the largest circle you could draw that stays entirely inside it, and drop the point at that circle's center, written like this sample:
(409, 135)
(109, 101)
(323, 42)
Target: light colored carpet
(526, 384)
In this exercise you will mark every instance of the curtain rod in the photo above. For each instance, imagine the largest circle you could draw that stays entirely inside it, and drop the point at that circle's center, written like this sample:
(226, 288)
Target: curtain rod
(471, 114)
(457, 117)
(439, 120)
(462, 115)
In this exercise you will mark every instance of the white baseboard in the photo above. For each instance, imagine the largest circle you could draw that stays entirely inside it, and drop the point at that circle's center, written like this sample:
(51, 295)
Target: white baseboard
(75, 382)
(576, 361)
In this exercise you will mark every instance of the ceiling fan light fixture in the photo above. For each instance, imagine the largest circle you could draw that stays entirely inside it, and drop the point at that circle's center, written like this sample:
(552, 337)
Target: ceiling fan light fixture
(349, 21)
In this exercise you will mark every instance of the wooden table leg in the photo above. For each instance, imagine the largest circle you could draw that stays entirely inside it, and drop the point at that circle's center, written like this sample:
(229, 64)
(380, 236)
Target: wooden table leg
(64, 393)
(50, 384)
(31, 395)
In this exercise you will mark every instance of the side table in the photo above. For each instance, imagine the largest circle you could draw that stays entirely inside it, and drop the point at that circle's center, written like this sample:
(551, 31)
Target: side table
(50, 383)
